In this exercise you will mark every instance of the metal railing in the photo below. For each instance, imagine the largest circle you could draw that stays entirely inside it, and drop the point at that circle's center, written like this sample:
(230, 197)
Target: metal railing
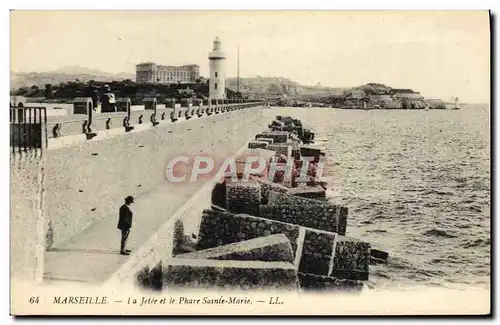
(28, 128)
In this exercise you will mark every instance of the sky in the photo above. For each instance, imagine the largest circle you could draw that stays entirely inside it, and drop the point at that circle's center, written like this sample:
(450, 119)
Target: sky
(439, 53)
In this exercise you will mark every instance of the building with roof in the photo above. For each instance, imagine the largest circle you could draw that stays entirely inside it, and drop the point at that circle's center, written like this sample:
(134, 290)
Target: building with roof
(150, 72)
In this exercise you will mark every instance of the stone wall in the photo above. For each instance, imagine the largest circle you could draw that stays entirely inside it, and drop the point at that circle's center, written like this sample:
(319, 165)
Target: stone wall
(27, 239)
(88, 181)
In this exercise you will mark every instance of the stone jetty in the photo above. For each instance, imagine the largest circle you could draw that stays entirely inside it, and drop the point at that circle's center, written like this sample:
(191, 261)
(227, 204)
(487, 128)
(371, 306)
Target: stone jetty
(269, 232)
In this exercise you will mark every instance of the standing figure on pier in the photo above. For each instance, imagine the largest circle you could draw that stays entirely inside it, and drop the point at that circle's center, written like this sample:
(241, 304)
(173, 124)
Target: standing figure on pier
(125, 223)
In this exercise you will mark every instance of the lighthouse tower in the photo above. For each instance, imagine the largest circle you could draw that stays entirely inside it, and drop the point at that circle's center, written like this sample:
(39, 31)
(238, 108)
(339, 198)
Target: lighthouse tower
(217, 71)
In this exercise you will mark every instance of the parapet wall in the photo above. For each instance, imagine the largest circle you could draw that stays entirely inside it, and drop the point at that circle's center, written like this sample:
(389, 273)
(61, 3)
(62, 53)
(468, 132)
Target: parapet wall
(88, 181)
(27, 217)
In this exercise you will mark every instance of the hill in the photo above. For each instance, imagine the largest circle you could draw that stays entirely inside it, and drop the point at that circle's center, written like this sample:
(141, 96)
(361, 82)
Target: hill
(67, 74)
(278, 86)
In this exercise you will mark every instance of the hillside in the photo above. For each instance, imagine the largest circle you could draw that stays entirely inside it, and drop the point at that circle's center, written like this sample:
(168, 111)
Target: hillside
(257, 86)
(67, 74)
(278, 86)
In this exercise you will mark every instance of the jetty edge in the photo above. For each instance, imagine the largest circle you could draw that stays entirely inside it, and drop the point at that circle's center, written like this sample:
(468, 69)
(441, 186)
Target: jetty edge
(266, 233)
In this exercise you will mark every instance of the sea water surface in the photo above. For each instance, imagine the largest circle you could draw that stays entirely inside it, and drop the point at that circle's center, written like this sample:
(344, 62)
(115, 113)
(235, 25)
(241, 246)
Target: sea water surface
(417, 185)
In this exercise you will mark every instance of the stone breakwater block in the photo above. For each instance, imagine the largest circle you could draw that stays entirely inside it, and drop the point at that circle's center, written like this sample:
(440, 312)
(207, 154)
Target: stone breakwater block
(351, 260)
(248, 159)
(285, 150)
(267, 186)
(322, 217)
(150, 279)
(378, 254)
(257, 144)
(221, 228)
(219, 194)
(277, 136)
(243, 197)
(274, 248)
(337, 223)
(255, 275)
(268, 140)
(317, 252)
(311, 152)
(312, 192)
(312, 282)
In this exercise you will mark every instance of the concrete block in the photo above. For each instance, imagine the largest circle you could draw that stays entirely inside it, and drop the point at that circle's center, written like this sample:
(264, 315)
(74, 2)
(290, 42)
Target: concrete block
(322, 217)
(243, 197)
(312, 282)
(307, 208)
(277, 136)
(311, 152)
(312, 192)
(221, 228)
(257, 144)
(219, 194)
(269, 248)
(255, 275)
(352, 259)
(317, 252)
(268, 140)
(285, 150)
(266, 187)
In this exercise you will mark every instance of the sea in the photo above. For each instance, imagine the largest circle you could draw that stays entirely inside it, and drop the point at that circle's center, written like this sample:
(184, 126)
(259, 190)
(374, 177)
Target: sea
(417, 185)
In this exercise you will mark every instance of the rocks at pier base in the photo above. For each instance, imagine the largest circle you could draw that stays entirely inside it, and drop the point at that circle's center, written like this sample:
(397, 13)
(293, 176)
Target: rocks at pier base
(274, 248)
(277, 136)
(312, 192)
(317, 252)
(243, 197)
(312, 282)
(150, 278)
(322, 217)
(221, 228)
(351, 260)
(257, 144)
(306, 212)
(281, 149)
(268, 140)
(267, 186)
(238, 275)
(307, 151)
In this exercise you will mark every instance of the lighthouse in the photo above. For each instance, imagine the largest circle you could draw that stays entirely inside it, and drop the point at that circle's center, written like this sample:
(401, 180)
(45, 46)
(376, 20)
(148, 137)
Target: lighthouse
(217, 72)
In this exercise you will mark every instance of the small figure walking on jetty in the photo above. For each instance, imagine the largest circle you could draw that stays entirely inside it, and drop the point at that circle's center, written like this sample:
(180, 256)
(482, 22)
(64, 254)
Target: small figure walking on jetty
(125, 223)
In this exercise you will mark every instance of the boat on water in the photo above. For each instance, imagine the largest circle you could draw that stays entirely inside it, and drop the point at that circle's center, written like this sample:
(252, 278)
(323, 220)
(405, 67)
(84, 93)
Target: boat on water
(456, 103)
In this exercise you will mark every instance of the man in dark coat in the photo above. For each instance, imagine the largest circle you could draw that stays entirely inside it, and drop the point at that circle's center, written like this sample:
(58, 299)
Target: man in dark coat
(125, 223)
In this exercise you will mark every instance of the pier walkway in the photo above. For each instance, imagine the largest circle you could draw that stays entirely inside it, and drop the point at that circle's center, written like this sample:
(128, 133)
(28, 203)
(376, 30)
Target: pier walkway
(93, 255)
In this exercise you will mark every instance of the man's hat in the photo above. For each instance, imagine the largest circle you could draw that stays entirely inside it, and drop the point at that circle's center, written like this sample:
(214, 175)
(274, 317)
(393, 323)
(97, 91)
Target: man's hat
(129, 199)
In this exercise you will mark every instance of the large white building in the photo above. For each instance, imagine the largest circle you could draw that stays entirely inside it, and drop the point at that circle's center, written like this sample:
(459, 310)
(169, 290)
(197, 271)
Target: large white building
(217, 83)
(150, 72)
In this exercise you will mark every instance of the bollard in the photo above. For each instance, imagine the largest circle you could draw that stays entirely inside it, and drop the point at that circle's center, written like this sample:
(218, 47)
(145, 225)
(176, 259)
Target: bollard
(170, 102)
(152, 119)
(176, 112)
(82, 105)
(56, 131)
(123, 104)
